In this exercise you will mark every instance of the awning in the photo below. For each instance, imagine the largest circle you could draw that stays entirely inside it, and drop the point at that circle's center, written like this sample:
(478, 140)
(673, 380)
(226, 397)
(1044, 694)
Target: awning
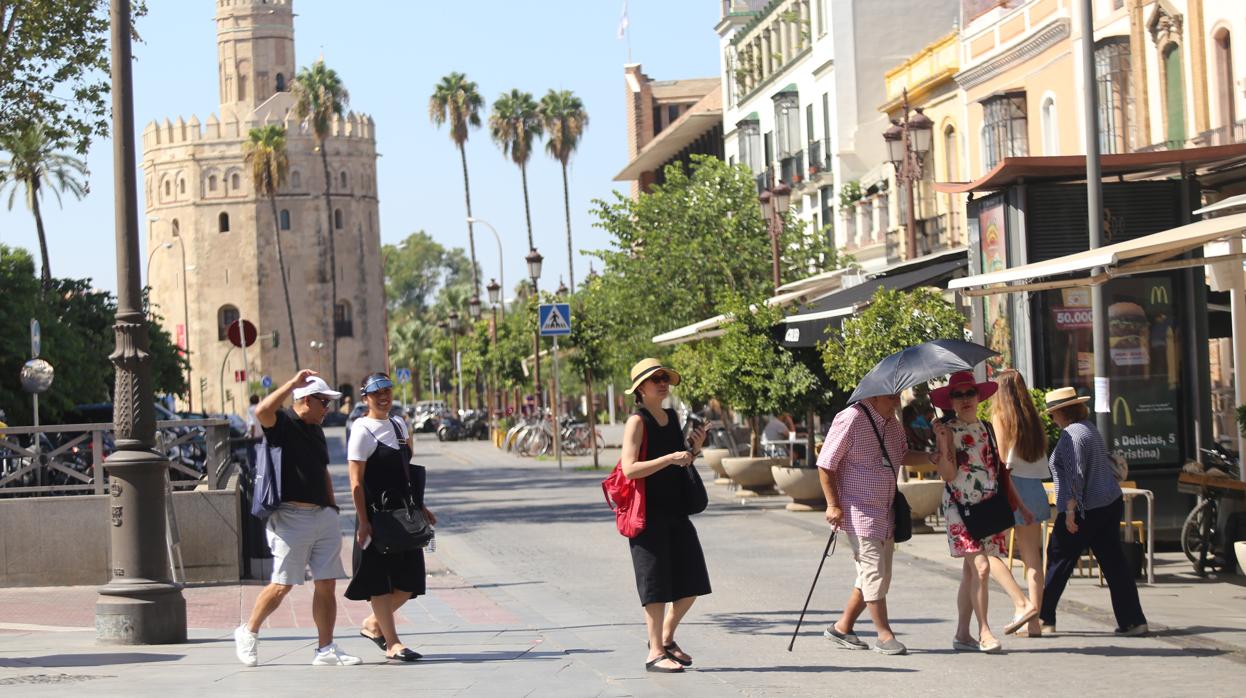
(1141, 255)
(810, 326)
(795, 292)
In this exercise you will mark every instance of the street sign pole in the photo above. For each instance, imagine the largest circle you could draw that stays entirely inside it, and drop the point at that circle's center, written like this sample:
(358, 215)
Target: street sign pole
(556, 401)
(36, 341)
(246, 379)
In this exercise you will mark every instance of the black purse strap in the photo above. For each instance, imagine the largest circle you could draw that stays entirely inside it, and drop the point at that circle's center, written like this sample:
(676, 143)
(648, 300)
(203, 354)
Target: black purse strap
(881, 446)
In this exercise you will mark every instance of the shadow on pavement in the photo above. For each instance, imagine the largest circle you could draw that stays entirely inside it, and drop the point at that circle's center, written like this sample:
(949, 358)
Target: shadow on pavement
(805, 670)
(81, 660)
(498, 656)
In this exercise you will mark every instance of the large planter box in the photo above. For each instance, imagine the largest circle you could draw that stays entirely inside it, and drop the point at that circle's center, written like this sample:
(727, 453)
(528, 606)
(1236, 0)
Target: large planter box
(714, 459)
(802, 485)
(753, 475)
(923, 497)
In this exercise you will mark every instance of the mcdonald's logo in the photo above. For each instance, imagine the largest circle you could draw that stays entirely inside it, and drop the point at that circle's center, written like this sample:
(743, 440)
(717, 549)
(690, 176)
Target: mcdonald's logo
(1159, 295)
(1122, 404)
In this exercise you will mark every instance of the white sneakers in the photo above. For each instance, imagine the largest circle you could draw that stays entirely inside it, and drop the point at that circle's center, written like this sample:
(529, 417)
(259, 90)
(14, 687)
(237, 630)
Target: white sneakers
(246, 644)
(332, 655)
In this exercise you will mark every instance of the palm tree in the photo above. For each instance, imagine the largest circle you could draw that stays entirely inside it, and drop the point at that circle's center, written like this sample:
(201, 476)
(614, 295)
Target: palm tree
(34, 163)
(456, 100)
(319, 97)
(265, 152)
(515, 126)
(564, 120)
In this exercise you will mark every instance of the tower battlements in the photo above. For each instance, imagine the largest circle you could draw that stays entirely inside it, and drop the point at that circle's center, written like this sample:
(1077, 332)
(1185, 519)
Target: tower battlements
(230, 129)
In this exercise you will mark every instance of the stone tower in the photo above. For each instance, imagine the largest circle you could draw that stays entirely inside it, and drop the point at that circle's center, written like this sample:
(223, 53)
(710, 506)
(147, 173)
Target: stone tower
(199, 195)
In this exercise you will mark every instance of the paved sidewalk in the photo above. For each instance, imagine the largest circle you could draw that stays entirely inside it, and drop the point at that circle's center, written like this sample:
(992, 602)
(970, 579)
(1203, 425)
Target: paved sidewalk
(531, 593)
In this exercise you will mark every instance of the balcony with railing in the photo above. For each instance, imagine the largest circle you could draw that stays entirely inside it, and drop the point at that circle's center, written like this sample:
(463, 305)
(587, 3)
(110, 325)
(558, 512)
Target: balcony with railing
(792, 168)
(1224, 135)
(763, 180)
(774, 39)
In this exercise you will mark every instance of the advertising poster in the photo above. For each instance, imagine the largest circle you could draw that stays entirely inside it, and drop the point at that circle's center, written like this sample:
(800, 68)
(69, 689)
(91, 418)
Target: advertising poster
(1142, 346)
(997, 320)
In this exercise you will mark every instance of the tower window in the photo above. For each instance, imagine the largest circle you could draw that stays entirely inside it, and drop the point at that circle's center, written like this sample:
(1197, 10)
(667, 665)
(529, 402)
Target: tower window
(337, 219)
(222, 223)
(181, 186)
(281, 82)
(285, 219)
(212, 183)
(226, 316)
(296, 180)
(235, 182)
(343, 179)
(168, 188)
(342, 325)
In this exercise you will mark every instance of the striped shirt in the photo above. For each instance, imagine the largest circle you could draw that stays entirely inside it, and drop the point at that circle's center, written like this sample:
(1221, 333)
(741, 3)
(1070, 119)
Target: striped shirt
(865, 485)
(1080, 469)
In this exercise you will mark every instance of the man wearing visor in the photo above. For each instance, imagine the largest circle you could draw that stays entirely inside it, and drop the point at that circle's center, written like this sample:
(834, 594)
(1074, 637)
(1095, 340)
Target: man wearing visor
(304, 532)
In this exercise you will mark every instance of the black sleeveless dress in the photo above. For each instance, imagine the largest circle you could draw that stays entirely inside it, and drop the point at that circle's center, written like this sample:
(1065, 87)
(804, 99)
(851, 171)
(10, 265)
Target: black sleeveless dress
(383, 480)
(667, 556)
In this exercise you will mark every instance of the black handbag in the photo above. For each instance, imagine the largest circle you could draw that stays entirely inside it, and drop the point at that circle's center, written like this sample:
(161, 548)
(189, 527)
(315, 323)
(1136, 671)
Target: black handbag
(991, 515)
(901, 512)
(695, 496)
(402, 527)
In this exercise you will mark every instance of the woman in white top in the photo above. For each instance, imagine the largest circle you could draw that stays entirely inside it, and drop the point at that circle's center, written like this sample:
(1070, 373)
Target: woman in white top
(1021, 436)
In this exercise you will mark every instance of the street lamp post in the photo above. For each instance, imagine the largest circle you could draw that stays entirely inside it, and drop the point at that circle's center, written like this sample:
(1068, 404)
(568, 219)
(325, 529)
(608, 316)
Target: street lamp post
(162, 246)
(774, 203)
(495, 401)
(185, 347)
(534, 260)
(497, 238)
(139, 604)
(453, 324)
(316, 347)
(473, 312)
(908, 142)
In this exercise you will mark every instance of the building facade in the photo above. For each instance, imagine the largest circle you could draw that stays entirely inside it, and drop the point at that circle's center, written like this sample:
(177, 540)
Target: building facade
(200, 198)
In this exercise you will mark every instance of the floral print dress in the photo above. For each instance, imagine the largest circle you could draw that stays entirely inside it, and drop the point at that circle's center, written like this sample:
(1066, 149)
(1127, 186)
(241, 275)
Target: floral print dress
(977, 478)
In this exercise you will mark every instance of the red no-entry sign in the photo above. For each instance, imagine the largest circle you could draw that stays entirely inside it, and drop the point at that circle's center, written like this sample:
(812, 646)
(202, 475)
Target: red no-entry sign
(240, 330)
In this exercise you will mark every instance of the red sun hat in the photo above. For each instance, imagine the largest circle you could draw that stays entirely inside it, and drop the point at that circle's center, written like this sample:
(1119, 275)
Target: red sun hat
(942, 397)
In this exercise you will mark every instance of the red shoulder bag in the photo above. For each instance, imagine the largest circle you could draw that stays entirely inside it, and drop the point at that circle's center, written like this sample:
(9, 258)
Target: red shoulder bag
(626, 497)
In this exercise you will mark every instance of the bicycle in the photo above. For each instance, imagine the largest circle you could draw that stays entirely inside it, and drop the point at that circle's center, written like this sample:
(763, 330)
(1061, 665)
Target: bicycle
(1200, 534)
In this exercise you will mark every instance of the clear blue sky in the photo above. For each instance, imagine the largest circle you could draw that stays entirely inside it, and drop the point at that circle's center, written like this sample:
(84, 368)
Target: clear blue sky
(390, 54)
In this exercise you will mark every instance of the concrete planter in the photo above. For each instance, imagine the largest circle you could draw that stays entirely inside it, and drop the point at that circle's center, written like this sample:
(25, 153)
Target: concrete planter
(802, 485)
(924, 497)
(753, 475)
(1240, 548)
(714, 459)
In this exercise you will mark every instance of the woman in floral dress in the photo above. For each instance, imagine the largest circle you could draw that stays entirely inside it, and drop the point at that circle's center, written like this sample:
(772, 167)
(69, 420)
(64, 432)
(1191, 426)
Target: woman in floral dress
(970, 465)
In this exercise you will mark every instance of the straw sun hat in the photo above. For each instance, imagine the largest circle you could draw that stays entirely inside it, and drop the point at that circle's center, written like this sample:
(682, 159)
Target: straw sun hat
(1063, 397)
(645, 368)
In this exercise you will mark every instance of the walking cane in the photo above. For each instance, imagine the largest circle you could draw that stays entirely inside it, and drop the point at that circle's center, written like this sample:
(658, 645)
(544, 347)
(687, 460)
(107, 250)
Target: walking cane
(825, 554)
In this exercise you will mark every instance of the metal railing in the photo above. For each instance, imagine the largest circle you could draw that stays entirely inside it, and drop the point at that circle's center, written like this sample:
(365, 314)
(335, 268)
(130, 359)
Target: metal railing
(792, 168)
(66, 459)
(763, 180)
(814, 148)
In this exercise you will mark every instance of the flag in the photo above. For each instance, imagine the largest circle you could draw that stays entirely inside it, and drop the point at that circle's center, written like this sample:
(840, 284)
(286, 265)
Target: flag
(623, 21)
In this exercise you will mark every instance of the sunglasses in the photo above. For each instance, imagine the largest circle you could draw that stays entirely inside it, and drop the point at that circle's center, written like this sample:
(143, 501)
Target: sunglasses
(967, 394)
(324, 401)
(661, 378)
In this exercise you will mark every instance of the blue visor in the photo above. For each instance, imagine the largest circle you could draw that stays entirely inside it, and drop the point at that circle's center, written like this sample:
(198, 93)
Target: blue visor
(376, 384)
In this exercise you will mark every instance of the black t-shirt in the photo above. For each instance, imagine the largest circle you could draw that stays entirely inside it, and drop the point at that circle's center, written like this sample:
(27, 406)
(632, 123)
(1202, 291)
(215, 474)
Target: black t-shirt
(304, 458)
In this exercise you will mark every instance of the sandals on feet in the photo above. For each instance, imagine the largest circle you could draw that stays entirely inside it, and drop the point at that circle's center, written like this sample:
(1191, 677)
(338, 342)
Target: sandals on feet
(378, 641)
(405, 655)
(1019, 621)
(652, 665)
(671, 648)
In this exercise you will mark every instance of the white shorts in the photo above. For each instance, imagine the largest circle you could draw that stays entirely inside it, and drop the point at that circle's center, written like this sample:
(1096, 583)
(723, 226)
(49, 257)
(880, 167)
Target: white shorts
(302, 537)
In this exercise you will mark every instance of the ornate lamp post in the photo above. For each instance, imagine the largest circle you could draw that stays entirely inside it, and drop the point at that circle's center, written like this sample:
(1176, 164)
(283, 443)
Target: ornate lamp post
(562, 289)
(140, 604)
(774, 203)
(495, 300)
(453, 324)
(473, 311)
(442, 325)
(908, 142)
(534, 260)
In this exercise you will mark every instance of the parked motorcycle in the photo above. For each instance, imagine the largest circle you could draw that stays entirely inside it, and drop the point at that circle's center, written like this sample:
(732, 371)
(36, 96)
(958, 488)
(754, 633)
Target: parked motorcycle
(451, 429)
(476, 425)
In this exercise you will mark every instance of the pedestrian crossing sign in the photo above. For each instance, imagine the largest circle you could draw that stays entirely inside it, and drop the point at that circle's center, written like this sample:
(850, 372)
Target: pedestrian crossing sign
(403, 375)
(555, 319)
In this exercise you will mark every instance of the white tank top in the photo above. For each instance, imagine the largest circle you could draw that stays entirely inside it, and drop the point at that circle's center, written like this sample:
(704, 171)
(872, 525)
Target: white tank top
(1031, 470)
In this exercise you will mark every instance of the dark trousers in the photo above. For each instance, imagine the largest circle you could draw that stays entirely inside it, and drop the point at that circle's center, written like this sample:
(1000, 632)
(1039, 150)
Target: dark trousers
(1099, 530)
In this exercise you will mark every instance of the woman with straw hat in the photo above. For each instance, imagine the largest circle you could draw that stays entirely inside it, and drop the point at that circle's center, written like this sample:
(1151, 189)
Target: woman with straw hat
(1089, 506)
(666, 555)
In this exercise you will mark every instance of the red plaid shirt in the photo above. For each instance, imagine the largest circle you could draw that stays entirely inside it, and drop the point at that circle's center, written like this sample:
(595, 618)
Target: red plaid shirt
(866, 486)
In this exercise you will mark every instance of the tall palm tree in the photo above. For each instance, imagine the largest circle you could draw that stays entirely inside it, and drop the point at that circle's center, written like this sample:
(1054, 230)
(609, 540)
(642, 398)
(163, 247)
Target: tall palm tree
(319, 97)
(457, 100)
(34, 163)
(564, 120)
(265, 152)
(515, 126)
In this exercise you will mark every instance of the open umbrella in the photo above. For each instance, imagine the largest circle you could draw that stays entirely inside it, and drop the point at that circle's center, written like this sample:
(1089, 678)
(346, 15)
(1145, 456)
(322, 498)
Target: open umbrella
(918, 364)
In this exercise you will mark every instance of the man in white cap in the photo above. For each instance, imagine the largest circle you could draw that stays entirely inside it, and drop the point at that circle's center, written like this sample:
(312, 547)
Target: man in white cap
(304, 532)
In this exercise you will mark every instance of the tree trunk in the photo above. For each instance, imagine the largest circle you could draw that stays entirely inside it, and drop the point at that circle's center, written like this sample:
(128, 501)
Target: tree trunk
(592, 415)
(754, 436)
(45, 274)
(328, 205)
(471, 236)
(285, 285)
(527, 214)
(811, 456)
(566, 204)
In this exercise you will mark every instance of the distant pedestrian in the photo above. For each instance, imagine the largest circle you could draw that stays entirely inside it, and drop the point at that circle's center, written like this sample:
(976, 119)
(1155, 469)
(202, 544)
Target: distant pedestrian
(382, 477)
(973, 470)
(1022, 439)
(666, 556)
(1089, 507)
(304, 532)
(860, 488)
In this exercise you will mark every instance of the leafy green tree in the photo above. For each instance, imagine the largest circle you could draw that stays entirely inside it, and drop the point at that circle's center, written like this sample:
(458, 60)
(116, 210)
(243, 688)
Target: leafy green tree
(319, 97)
(894, 320)
(457, 101)
(34, 165)
(747, 367)
(54, 68)
(77, 325)
(414, 270)
(564, 119)
(515, 125)
(265, 153)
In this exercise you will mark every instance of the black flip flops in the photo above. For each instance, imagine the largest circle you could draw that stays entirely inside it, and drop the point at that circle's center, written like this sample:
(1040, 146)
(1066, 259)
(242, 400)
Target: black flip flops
(671, 649)
(652, 665)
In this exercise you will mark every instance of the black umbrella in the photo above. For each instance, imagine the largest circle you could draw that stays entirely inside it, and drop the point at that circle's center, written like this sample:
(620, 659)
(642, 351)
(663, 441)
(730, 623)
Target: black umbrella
(926, 361)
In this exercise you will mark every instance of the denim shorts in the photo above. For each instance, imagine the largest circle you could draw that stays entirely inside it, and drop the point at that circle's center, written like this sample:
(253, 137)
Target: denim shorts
(1032, 493)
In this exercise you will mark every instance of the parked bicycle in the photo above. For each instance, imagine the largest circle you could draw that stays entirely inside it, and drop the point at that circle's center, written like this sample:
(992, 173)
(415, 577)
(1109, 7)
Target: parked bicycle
(1202, 540)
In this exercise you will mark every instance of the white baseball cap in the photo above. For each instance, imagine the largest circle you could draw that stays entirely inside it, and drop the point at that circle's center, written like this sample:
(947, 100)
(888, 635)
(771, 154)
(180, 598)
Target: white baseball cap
(316, 386)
